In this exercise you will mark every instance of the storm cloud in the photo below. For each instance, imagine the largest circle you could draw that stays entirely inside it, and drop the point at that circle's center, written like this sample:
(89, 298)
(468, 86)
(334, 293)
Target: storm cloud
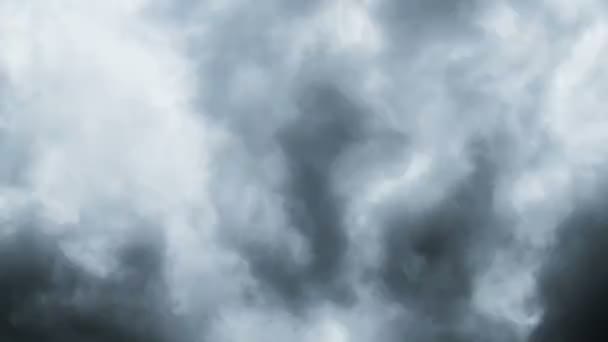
(365, 170)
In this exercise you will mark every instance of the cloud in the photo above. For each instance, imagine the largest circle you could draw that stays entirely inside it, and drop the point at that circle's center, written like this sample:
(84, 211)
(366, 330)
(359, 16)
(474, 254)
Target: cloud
(321, 171)
(572, 285)
(47, 296)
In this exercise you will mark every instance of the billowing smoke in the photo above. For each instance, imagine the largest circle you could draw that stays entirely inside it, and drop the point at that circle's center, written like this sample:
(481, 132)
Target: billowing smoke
(333, 171)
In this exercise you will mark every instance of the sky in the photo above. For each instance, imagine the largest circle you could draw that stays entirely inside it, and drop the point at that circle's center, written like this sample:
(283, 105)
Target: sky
(306, 171)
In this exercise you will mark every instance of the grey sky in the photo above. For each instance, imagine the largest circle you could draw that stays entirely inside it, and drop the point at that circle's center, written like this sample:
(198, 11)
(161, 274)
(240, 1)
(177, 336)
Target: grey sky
(332, 171)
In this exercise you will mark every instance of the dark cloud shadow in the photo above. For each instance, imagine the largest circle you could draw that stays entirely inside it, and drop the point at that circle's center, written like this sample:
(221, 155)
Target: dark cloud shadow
(573, 284)
(410, 24)
(327, 126)
(432, 258)
(45, 297)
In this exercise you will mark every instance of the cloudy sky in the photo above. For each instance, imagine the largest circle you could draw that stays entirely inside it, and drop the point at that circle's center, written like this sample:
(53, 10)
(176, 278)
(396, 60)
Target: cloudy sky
(306, 171)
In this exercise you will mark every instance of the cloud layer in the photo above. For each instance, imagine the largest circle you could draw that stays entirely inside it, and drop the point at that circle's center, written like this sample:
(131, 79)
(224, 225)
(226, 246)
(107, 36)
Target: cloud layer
(334, 171)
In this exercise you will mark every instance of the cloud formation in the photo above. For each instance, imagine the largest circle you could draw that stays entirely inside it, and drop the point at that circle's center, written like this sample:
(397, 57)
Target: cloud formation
(336, 171)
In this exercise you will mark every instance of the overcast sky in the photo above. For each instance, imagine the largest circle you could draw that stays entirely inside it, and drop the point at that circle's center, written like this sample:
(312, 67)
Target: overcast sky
(303, 171)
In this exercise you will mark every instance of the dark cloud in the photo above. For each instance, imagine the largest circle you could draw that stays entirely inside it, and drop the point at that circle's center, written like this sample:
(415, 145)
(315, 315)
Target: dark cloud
(574, 282)
(328, 124)
(471, 327)
(427, 14)
(428, 254)
(411, 24)
(46, 297)
(431, 259)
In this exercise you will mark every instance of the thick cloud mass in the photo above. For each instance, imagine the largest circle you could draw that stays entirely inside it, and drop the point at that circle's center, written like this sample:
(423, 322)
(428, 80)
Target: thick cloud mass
(574, 282)
(47, 297)
(332, 171)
